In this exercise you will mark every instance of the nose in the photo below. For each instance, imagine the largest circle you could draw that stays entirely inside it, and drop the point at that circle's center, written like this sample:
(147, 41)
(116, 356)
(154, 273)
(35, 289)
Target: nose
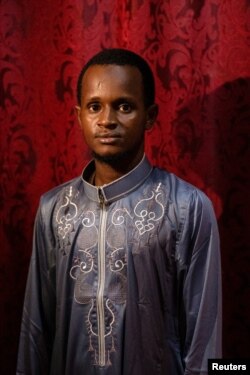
(107, 118)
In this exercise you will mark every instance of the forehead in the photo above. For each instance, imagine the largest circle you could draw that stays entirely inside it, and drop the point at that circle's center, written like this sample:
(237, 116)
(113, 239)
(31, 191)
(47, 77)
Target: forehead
(115, 79)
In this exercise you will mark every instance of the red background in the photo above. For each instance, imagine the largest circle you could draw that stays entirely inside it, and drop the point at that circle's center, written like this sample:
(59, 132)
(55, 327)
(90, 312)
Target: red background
(199, 51)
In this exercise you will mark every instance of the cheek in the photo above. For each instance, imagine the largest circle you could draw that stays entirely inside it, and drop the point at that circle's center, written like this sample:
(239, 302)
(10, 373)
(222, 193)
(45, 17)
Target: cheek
(134, 122)
(87, 125)
(137, 127)
(86, 132)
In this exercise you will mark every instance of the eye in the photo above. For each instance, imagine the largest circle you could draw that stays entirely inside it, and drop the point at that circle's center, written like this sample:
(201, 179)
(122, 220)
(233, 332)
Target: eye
(94, 107)
(125, 107)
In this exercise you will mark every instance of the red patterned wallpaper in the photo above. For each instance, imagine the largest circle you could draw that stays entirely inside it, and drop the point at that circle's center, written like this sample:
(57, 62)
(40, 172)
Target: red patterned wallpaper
(199, 51)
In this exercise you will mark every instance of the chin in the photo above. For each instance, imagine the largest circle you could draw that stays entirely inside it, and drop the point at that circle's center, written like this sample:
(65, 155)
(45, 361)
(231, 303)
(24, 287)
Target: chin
(111, 158)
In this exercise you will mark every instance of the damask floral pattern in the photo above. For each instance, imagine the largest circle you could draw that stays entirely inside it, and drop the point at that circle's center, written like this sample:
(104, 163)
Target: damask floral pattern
(199, 52)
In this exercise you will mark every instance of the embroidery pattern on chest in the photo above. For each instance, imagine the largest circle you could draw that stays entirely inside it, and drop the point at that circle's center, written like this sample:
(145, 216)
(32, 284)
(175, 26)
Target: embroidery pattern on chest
(100, 265)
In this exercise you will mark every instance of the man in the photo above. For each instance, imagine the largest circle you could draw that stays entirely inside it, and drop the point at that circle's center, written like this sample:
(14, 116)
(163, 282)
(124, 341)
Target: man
(125, 271)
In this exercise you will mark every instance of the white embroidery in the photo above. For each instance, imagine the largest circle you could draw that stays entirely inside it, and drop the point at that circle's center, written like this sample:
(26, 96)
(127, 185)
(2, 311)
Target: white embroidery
(89, 219)
(90, 326)
(148, 218)
(117, 260)
(147, 212)
(65, 215)
(84, 266)
(113, 318)
(118, 216)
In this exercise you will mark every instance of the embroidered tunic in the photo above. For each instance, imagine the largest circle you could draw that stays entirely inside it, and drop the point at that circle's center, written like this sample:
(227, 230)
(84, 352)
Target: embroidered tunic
(124, 279)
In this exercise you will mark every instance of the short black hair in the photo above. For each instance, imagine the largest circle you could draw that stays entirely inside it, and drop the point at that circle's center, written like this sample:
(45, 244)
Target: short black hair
(120, 56)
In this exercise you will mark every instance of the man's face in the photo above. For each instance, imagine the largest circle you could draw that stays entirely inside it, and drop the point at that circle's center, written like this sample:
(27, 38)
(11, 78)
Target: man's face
(112, 114)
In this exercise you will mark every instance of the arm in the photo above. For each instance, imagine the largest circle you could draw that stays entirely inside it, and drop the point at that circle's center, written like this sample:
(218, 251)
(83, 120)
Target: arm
(200, 270)
(37, 328)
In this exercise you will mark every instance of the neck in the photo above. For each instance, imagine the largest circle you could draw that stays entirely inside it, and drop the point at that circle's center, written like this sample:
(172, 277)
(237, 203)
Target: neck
(106, 173)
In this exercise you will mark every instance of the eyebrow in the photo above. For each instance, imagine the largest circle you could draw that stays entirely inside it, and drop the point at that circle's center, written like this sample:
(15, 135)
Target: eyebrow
(119, 99)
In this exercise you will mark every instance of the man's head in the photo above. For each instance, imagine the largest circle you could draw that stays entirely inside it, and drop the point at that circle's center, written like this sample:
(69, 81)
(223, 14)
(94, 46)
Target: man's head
(121, 57)
(116, 106)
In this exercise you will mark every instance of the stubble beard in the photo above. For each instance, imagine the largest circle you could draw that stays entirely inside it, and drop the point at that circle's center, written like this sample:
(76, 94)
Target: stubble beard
(120, 160)
(112, 160)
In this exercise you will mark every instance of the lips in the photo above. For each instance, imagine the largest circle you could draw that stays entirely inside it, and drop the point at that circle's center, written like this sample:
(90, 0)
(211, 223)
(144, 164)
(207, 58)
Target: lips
(107, 138)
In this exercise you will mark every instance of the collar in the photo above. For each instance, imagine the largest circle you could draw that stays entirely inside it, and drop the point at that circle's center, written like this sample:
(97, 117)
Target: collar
(109, 193)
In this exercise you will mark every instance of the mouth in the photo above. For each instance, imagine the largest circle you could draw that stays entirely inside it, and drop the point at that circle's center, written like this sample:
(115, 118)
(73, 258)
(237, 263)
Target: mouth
(108, 138)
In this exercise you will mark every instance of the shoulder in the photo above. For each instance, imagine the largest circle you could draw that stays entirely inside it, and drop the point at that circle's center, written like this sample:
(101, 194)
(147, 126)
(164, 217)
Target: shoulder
(185, 203)
(179, 191)
(70, 188)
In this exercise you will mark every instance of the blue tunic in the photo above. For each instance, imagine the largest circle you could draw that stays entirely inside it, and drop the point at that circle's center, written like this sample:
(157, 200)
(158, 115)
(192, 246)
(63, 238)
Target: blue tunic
(124, 279)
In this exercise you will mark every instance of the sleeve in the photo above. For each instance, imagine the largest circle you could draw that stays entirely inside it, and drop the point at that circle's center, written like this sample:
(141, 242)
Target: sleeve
(37, 327)
(200, 295)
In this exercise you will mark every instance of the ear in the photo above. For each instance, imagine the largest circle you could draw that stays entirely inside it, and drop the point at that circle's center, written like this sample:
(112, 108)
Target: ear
(78, 113)
(152, 113)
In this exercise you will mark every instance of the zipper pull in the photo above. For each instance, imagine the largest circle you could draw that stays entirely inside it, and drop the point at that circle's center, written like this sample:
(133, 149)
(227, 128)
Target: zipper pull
(101, 197)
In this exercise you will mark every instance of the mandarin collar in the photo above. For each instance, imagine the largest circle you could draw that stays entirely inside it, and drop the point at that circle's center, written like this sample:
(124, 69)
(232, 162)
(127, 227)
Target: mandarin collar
(115, 190)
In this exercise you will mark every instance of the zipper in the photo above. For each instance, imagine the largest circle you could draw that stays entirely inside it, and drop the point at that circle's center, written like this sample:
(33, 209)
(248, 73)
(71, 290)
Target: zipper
(101, 282)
